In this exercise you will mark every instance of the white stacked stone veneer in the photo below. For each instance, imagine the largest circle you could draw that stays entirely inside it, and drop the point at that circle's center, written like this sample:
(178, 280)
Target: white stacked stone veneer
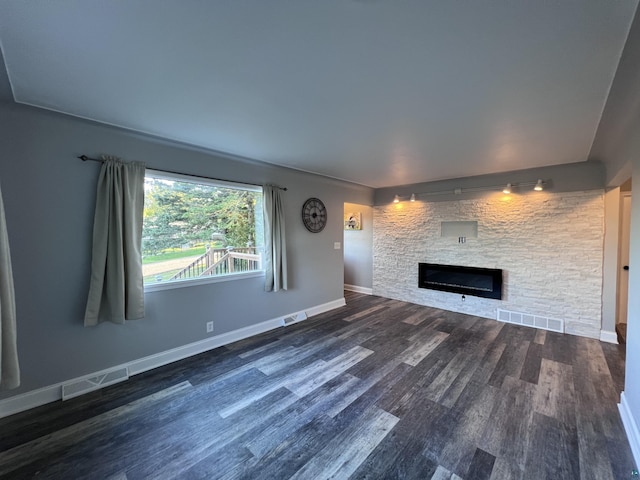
(549, 246)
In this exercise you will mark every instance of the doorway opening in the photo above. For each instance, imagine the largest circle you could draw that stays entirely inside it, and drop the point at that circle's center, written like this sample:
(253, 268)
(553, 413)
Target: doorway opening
(358, 248)
(623, 262)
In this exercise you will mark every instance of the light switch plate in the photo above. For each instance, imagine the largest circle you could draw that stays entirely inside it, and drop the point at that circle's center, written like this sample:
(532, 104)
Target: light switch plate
(336, 245)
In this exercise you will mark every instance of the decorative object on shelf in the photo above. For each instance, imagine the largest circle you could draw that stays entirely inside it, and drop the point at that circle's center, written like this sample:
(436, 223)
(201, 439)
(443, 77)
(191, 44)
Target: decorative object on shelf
(353, 221)
(314, 215)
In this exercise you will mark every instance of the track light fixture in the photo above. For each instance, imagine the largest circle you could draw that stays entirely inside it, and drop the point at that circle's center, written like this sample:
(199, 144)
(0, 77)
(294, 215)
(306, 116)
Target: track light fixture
(507, 189)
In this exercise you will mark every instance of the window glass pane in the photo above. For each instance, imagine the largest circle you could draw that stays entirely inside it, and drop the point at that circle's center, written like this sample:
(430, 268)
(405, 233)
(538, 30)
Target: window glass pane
(194, 229)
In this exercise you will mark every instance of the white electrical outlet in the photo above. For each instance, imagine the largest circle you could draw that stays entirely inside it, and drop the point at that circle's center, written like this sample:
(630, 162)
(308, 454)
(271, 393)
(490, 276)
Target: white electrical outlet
(209, 327)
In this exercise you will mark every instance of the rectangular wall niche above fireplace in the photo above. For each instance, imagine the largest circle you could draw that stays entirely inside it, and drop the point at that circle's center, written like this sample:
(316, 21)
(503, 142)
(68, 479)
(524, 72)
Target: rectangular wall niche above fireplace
(479, 282)
(459, 229)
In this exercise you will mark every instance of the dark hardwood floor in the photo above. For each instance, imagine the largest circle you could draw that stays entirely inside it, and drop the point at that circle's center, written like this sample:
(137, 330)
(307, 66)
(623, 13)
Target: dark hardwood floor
(379, 389)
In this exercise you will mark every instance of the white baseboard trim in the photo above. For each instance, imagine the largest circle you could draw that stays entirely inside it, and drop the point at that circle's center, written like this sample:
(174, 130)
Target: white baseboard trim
(52, 393)
(357, 289)
(191, 349)
(631, 427)
(325, 307)
(608, 336)
(29, 400)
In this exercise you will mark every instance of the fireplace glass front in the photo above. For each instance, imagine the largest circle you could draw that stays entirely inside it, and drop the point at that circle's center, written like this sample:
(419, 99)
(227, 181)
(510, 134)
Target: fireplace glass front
(480, 282)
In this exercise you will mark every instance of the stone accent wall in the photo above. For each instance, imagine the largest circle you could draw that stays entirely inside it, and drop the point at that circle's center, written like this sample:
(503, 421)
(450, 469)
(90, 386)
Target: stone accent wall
(549, 245)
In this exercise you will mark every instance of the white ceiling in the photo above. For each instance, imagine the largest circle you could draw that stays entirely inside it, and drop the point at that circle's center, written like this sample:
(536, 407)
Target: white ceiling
(377, 92)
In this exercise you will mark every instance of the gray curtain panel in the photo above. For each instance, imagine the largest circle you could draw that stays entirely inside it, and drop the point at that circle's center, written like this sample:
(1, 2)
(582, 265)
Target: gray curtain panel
(116, 292)
(275, 242)
(9, 368)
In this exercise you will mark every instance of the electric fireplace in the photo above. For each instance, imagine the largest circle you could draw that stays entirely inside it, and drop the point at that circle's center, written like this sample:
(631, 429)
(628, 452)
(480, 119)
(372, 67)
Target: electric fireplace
(479, 282)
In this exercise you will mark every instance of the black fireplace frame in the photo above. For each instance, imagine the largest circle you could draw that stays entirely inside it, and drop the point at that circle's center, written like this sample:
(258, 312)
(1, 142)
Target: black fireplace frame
(494, 273)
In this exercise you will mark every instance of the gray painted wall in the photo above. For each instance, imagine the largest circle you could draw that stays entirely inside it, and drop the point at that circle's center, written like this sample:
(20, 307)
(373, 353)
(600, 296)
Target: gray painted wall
(617, 144)
(358, 249)
(617, 141)
(632, 379)
(50, 195)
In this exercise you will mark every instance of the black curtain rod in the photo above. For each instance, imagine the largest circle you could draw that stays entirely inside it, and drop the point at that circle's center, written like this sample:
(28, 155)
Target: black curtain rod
(84, 158)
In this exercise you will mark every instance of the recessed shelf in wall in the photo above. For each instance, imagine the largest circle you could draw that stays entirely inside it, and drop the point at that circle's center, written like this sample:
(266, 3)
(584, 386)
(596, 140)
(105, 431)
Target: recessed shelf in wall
(468, 229)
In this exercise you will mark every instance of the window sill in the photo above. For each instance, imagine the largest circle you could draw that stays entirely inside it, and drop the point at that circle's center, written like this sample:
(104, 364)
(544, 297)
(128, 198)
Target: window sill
(156, 287)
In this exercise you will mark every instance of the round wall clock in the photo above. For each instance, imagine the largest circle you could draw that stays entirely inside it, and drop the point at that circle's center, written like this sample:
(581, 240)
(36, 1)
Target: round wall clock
(314, 215)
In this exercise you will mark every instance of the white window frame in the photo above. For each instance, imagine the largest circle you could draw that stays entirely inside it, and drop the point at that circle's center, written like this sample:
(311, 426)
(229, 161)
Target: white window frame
(193, 282)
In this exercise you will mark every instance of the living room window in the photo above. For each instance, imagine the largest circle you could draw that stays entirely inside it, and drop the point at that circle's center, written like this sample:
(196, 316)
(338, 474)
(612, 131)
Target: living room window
(198, 230)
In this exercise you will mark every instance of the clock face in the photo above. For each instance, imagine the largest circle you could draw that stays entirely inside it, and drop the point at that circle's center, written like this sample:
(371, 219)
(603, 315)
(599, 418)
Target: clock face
(314, 215)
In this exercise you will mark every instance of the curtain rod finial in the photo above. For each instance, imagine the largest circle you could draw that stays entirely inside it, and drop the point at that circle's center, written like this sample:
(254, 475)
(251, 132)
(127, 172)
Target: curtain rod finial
(84, 158)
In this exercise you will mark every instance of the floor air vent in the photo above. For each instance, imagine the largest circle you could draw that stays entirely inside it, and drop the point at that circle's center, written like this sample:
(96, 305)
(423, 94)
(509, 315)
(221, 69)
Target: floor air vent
(86, 385)
(294, 318)
(528, 320)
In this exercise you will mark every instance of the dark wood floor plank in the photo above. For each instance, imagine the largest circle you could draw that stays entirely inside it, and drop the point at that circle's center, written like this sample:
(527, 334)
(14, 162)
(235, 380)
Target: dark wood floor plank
(541, 336)
(182, 443)
(489, 362)
(615, 356)
(217, 466)
(504, 469)
(596, 390)
(599, 370)
(300, 413)
(485, 331)
(407, 391)
(512, 334)
(447, 386)
(559, 347)
(365, 313)
(379, 382)
(63, 439)
(32, 424)
(446, 322)
(422, 346)
(511, 362)
(533, 360)
(418, 318)
(555, 396)
(400, 454)
(481, 466)
(594, 459)
(344, 454)
(507, 435)
(552, 446)
(291, 455)
(384, 353)
(443, 473)
(331, 369)
(377, 389)
(617, 448)
(475, 404)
